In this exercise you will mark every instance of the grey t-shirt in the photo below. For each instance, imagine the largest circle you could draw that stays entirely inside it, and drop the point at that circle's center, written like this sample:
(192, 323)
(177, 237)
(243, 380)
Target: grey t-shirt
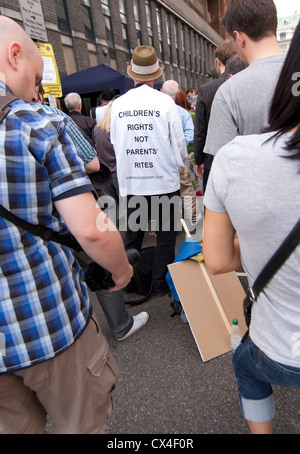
(259, 189)
(241, 104)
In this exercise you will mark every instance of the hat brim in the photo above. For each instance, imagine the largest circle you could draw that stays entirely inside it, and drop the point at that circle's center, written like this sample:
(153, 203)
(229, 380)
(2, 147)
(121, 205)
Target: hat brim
(144, 77)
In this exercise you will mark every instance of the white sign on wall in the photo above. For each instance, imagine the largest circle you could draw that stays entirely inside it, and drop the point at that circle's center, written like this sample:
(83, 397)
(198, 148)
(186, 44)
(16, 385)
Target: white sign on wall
(33, 19)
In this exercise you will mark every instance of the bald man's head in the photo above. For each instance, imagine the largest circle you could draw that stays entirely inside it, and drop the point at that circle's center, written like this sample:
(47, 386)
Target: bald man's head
(21, 64)
(170, 87)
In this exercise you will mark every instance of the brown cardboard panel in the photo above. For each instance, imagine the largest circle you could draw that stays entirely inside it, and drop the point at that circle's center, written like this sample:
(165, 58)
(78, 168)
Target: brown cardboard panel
(231, 294)
(207, 324)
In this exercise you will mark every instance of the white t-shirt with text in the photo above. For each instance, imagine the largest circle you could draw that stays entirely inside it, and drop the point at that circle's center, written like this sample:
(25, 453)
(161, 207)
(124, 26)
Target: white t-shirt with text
(149, 143)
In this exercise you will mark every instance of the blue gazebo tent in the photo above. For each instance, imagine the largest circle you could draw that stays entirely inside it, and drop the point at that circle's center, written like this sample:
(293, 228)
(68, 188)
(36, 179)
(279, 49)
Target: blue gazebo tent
(95, 79)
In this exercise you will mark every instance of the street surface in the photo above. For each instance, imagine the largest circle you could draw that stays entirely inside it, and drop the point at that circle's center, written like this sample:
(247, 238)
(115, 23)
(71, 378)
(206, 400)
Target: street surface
(165, 387)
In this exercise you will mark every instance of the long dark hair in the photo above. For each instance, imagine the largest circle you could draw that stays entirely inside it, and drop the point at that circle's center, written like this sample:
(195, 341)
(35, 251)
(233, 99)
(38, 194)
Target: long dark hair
(284, 113)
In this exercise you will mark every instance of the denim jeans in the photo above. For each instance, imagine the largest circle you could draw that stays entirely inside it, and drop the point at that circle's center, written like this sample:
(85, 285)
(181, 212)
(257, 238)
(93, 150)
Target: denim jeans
(256, 373)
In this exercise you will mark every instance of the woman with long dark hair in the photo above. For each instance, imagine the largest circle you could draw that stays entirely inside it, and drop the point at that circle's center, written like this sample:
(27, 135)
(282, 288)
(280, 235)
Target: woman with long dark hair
(252, 203)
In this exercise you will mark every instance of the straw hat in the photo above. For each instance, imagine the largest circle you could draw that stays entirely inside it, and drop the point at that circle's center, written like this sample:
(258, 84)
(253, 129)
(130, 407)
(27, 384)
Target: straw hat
(144, 64)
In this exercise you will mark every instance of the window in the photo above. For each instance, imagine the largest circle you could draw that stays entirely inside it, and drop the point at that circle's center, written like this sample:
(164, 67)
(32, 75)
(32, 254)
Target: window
(108, 24)
(87, 19)
(149, 23)
(113, 63)
(124, 25)
(93, 59)
(62, 16)
(282, 36)
(136, 10)
(69, 59)
(169, 37)
(176, 40)
(190, 48)
(205, 57)
(160, 36)
(195, 41)
(183, 44)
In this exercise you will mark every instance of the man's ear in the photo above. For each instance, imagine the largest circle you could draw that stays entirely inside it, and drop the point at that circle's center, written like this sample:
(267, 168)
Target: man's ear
(240, 38)
(14, 55)
(217, 62)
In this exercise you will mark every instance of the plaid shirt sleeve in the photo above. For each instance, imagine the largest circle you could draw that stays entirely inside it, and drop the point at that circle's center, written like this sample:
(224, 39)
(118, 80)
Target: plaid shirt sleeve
(86, 151)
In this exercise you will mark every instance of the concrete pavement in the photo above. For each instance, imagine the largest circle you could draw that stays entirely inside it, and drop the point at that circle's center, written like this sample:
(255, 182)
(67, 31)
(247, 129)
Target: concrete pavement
(165, 388)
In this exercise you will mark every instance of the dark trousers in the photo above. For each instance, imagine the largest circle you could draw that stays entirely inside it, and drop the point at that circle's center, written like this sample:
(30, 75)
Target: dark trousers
(164, 210)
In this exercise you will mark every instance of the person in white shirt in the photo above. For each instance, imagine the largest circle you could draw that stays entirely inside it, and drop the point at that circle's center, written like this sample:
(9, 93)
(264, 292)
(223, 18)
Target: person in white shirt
(150, 149)
(106, 96)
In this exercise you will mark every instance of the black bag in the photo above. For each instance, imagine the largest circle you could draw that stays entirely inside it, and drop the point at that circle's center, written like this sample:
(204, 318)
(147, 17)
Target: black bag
(276, 261)
(102, 178)
(142, 281)
(247, 307)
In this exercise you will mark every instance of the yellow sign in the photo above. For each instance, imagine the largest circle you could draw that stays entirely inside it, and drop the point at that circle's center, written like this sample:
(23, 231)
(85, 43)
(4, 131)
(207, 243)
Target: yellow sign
(51, 80)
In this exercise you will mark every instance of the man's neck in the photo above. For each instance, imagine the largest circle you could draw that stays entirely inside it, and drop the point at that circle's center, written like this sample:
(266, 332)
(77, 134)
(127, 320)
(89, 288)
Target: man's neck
(150, 83)
(267, 47)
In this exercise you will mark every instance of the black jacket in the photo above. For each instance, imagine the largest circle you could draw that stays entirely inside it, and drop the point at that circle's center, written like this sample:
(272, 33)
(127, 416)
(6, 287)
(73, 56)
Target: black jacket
(205, 98)
(86, 124)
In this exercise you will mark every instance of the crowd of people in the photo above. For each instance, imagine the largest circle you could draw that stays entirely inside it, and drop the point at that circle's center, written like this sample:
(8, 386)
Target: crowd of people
(238, 135)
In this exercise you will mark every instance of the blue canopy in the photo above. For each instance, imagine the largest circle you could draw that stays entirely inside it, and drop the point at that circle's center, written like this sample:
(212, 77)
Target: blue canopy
(95, 79)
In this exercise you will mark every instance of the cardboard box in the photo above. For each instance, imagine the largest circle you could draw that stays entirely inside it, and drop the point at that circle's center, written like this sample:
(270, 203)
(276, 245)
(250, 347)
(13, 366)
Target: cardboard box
(210, 303)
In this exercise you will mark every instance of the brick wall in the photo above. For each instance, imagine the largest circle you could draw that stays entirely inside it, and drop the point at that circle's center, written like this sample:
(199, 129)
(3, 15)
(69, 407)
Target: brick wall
(190, 72)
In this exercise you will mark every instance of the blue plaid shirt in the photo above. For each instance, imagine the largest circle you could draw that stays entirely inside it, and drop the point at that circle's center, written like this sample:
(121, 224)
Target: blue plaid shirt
(84, 148)
(44, 303)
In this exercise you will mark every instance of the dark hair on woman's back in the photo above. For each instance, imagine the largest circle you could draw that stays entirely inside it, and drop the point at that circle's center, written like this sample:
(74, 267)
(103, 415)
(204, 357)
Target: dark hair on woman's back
(284, 113)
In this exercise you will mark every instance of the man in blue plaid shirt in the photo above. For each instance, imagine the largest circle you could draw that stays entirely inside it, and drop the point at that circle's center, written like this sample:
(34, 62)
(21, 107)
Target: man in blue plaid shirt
(53, 357)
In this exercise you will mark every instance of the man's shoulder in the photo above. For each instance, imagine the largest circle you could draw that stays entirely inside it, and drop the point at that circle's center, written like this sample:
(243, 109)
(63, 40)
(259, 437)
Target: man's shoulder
(144, 88)
(35, 114)
(208, 90)
(259, 69)
(183, 112)
(91, 121)
(214, 83)
(100, 107)
(32, 121)
(162, 99)
(181, 109)
(141, 95)
(53, 110)
(80, 118)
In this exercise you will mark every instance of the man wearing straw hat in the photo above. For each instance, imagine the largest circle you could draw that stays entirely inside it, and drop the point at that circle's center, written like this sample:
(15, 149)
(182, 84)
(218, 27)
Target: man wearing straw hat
(150, 149)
